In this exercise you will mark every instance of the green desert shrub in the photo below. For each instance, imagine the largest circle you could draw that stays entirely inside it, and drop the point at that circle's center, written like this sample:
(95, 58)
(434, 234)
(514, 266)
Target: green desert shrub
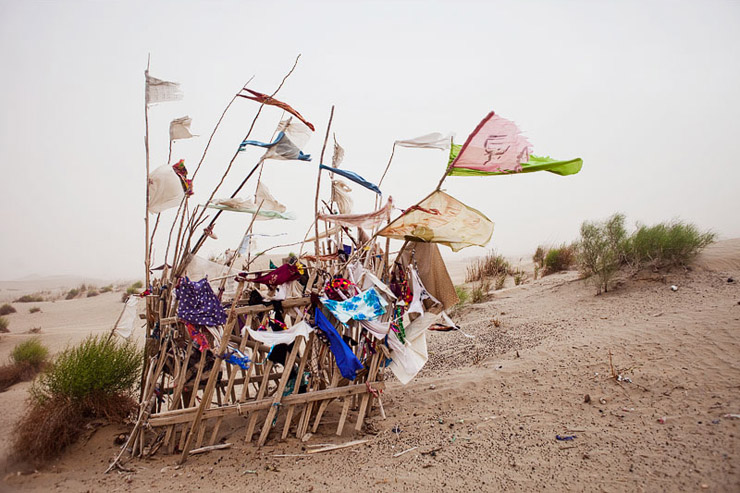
(559, 259)
(98, 366)
(492, 265)
(462, 294)
(479, 293)
(72, 294)
(92, 292)
(666, 245)
(4, 324)
(106, 289)
(601, 250)
(30, 298)
(7, 309)
(34, 309)
(94, 379)
(26, 360)
(30, 352)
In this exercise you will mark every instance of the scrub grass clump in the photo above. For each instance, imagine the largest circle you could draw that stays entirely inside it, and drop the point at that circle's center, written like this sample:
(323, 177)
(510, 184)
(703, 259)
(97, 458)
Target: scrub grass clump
(26, 360)
(94, 379)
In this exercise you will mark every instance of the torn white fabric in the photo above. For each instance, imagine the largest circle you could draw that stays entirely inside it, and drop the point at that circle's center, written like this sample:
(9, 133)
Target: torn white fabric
(410, 357)
(199, 267)
(377, 329)
(340, 195)
(165, 189)
(161, 91)
(433, 140)
(125, 325)
(420, 294)
(271, 208)
(180, 128)
(270, 338)
(338, 156)
(297, 135)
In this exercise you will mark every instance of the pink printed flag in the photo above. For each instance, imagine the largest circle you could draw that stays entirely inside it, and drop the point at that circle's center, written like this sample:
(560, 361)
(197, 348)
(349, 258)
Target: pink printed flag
(496, 145)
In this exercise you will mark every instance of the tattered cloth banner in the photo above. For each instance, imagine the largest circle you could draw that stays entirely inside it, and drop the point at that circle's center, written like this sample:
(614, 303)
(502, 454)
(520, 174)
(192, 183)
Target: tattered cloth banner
(265, 99)
(271, 208)
(291, 138)
(369, 220)
(441, 218)
(340, 196)
(351, 175)
(161, 91)
(496, 147)
(287, 336)
(165, 189)
(125, 325)
(433, 140)
(180, 128)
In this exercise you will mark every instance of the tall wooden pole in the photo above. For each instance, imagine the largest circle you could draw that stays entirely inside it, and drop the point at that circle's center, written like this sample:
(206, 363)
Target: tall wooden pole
(318, 183)
(146, 148)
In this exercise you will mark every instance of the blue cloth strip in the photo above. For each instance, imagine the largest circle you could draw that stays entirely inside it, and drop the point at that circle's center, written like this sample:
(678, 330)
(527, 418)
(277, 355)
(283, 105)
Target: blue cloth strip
(347, 362)
(351, 175)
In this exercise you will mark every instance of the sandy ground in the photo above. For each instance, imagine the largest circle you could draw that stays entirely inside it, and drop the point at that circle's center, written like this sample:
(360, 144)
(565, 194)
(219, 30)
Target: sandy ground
(484, 413)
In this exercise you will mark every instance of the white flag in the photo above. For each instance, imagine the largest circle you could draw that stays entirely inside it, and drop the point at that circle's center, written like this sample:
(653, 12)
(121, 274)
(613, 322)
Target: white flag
(429, 141)
(160, 91)
(180, 128)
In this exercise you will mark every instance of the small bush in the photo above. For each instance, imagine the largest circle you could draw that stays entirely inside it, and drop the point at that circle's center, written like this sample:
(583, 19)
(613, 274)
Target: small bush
(124, 297)
(462, 294)
(4, 324)
(72, 294)
(29, 298)
(137, 285)
(92, 292)
(92, 380)
(559, 259)
(492, 265)
(30, 352)
(7, 309)
(500, 280)
(520, 277)
(601, 250)
(480, 291)
(106, 289)
(26, 360)
(34, 309)
(666, 245)
(539, 256)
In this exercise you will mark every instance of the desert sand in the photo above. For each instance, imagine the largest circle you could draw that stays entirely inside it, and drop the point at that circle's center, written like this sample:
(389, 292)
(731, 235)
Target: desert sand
(484, 413)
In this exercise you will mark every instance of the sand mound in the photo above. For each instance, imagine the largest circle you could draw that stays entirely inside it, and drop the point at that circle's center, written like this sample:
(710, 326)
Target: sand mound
(721, 256)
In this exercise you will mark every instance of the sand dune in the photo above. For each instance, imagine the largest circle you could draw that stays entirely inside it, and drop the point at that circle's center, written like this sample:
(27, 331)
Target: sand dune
(484, 413)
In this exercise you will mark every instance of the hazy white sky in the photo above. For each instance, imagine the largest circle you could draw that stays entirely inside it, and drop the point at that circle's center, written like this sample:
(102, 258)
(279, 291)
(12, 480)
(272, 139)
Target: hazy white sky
(645, 92)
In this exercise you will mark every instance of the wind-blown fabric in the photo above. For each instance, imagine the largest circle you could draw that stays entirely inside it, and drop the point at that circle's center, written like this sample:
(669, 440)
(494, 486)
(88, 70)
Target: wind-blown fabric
(180, 128)
(367, 305)
(340, 195)
(161, 91)
(125, 325)
(287, 336)
(441, 218)
(265, 99)
(409, 357)
(197, 304)
(165, 189)
(420, 294)
(351, 175)
(535, 163)
(369, 220)
(432, 272)
(433, 140)
(495, 145)
(271, 207)
(347, 362)
(281, 275)
(338, 156)
(292, 136)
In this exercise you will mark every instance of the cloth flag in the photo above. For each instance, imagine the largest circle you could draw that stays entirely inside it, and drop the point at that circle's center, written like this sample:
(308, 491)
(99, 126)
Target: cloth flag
(351, 175)
(338, 156)
(496, 147)
(369, 220)
(441, 218)
(271, 208)
(292, 136)
(125, 325)
(265, 99)
(165, 189)
(180, 128)
(161, 91)
(340, 195)
(433, 140)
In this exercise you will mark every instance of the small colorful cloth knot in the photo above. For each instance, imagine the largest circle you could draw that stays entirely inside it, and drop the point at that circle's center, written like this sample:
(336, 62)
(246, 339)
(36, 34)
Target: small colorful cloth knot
(273, 324)
(199, 339)
(236, 357)
(182, 172)
(333, 286)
